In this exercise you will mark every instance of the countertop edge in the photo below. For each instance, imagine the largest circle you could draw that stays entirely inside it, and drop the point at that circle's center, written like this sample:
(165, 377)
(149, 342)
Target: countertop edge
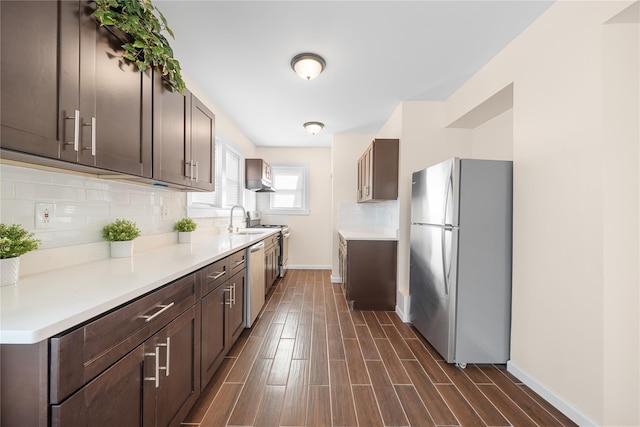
(32, 310)
(368, 235)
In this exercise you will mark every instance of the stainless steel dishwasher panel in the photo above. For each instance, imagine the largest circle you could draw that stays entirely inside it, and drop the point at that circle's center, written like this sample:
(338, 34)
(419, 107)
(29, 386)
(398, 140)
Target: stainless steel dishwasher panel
(255, 289)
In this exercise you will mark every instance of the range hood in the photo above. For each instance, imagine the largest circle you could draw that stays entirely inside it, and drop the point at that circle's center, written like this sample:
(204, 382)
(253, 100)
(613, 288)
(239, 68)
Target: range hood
(259, 186)
(258, 176)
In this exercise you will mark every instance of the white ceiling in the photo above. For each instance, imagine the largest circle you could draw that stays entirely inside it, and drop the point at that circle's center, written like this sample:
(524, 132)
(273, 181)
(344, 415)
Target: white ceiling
(378, 54)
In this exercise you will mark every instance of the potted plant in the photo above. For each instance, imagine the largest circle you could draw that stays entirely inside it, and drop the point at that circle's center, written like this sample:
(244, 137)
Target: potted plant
(14, 242)
(120, 234)
(144, 24)
(184, 227)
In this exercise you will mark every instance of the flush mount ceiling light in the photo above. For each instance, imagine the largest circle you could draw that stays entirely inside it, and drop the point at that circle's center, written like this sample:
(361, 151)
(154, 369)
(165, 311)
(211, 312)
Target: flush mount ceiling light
(308, 65)
(313, 127)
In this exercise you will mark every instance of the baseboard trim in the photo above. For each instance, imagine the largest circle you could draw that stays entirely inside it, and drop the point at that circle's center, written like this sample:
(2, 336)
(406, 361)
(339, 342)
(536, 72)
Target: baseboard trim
(563, 406)
(403, 316)
(309, 267)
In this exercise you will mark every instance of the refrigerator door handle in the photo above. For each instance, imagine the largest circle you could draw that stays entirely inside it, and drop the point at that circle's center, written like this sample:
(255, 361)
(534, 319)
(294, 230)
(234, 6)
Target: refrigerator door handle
(446, 259)
(447, 189)
(445, 274)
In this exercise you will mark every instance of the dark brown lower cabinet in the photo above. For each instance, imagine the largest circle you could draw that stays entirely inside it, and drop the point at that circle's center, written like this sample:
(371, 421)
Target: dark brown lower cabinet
(369, 267)
(113, 398)
(222, 323)
(141, 364)
(153, 385)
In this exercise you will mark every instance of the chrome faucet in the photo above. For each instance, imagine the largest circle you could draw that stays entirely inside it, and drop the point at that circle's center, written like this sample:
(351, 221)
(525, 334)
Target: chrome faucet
(244, 212)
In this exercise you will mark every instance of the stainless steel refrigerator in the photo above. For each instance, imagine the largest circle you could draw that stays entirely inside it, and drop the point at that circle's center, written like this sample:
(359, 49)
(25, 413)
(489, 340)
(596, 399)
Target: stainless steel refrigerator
(460, 274)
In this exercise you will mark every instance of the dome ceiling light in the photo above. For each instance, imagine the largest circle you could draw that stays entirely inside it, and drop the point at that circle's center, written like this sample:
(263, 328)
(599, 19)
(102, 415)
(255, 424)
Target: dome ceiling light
(313, 127)
(308, 65)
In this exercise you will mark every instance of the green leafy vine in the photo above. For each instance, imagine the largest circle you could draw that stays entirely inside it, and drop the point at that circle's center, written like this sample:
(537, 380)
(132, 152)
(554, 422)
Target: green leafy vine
(141, 20)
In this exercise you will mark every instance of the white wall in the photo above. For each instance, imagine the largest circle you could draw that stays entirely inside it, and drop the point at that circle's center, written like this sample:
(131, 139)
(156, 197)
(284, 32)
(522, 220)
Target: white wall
(494, 138)
(575, 325)
(310, 241)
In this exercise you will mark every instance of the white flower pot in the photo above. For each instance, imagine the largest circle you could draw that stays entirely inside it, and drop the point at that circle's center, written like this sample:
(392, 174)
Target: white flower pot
(122, 249)
(184, 236)
(9, 271)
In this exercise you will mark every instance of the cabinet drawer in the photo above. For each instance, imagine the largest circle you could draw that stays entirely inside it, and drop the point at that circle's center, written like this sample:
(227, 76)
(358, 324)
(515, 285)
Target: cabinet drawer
(238, 261)
(215, 274)
(80, 355)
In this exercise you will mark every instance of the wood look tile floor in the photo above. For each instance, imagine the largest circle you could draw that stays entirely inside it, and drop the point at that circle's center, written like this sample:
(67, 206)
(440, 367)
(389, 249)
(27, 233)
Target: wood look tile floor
(309, 361)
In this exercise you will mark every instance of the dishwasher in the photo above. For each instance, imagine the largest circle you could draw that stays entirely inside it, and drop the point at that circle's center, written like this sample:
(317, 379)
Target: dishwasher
(255, 289)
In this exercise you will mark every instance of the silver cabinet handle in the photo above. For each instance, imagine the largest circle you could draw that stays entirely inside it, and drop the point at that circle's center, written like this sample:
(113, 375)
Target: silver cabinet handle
(197, 170)
(230, 301)
(76, 129)
(165, 368)
(239, 262)
(93, 136)
(149, 318)
(155, 378)
(233, 293)
(217, 275)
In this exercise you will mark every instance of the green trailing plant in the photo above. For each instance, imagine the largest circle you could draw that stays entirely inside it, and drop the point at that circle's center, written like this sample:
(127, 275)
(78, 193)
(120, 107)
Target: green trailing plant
(16, 241)
(120, 230)
(144, 23)
(185, 225)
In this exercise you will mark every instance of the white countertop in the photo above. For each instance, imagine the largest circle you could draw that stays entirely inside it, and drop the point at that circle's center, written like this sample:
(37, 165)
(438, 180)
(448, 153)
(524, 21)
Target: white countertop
(45, 304)
(384, 234)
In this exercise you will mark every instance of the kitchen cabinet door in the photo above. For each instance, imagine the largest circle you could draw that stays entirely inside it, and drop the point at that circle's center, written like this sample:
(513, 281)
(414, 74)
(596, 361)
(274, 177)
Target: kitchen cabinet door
(378, 171)
(201, 150)
(112, 399)
(29, 76)
(235, 319)
(213, 343)
(222, 319)
(370, 274)
(115, 102)
(170, 133)
(173, 359)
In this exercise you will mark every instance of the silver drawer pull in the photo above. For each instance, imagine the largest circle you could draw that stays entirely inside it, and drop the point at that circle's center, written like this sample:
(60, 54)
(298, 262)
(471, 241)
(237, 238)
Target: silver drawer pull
(239, 262)
(216, 275)
(163, 308)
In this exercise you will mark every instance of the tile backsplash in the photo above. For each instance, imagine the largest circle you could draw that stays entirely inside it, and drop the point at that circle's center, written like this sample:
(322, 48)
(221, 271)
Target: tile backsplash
(83, 205)
(369, 216)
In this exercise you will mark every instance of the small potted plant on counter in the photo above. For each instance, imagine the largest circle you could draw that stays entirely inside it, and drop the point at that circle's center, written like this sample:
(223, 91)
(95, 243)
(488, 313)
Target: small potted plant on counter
(184, 227)
(14, 242)
(120, 234)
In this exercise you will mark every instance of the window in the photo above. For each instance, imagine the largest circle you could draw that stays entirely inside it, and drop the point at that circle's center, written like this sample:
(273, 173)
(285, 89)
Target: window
(228, 190)
(291, 183)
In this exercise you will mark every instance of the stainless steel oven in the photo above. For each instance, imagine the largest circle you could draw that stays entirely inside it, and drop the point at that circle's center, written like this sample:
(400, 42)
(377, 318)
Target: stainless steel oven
(254, 220)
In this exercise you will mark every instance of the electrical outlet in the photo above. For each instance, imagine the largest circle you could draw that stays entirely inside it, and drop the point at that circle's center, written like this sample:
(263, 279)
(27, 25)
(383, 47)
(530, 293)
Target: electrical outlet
(45, 214)
(165, 213)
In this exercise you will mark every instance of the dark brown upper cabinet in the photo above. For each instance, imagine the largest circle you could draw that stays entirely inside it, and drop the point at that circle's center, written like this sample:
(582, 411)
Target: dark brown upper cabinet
(67, 93)
(378, 171)
(258, 175)
(183, 138)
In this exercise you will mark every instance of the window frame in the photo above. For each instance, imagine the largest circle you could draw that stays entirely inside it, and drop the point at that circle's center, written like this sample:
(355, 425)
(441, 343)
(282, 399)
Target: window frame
(217, 206)
(305, 209)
